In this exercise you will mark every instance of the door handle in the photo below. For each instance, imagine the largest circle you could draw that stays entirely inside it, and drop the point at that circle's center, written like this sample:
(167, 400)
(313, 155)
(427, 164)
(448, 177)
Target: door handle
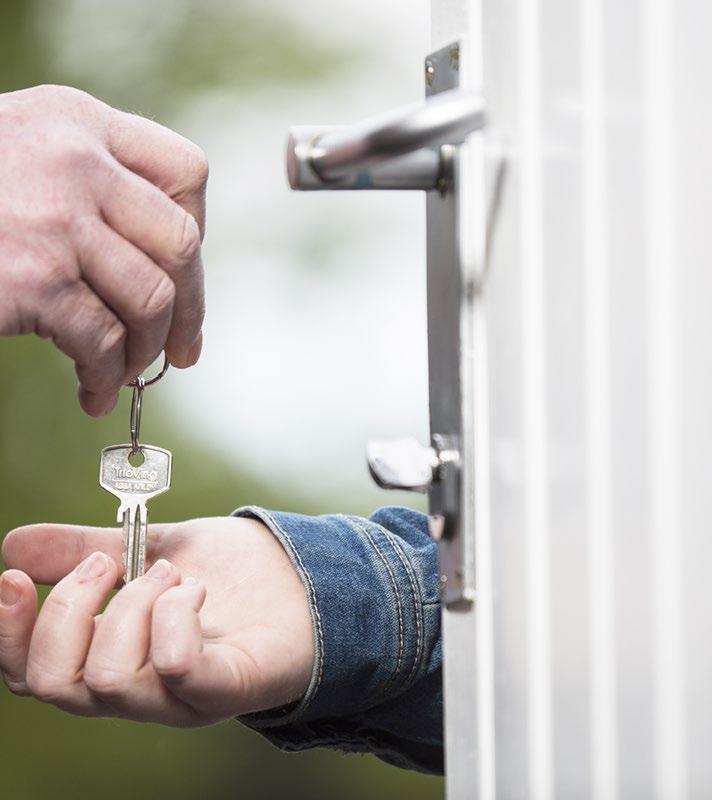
(417, 147)
(399, 149)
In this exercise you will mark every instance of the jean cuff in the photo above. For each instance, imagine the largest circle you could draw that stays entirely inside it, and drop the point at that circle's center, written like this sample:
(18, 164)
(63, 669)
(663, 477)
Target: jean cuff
(367, 618)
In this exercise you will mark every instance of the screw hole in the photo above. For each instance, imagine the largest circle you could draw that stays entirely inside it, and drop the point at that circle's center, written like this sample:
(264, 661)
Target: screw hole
(136, 459)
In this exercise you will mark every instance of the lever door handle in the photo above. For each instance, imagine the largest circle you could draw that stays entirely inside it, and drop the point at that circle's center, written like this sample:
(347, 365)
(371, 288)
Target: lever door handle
(402, 464)
(399, 149)
(407, 465)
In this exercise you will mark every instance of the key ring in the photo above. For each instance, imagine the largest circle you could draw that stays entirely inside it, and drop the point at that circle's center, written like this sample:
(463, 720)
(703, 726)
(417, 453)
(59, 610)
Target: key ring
(139, 383)
(135, 422)
(151, 381)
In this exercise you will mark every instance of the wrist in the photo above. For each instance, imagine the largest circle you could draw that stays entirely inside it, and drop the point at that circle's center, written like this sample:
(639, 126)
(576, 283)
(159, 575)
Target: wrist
(294, 668)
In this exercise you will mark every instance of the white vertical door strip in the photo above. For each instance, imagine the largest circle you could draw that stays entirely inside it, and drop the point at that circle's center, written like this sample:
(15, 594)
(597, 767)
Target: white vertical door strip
(669, 714)
(598, 406)
(535, 425)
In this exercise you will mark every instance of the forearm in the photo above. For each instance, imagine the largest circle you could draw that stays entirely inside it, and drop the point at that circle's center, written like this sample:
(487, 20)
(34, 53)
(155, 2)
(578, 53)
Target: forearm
(373, 595)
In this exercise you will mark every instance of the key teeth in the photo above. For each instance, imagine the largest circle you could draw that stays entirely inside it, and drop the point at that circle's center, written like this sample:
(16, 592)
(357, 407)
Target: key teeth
(122, 517)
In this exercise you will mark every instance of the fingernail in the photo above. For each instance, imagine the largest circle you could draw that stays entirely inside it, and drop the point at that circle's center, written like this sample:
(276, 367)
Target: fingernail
(195, 350)
(98, 405)
(160, 570)
(190, 582)
(9, 591)
(92, 567)
(109, 406)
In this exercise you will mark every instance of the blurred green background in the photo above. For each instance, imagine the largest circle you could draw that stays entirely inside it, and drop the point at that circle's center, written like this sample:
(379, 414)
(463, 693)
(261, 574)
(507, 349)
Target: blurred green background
(157, 59)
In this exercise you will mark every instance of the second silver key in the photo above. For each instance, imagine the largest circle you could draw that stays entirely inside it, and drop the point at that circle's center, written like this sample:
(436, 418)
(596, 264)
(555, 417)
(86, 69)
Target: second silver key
(135, 486)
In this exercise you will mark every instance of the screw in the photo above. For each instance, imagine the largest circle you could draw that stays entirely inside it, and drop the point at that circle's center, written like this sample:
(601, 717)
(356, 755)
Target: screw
(429, 71)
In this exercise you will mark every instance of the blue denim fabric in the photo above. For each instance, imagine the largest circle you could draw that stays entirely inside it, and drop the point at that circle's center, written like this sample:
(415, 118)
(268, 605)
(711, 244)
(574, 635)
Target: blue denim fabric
(372, 586)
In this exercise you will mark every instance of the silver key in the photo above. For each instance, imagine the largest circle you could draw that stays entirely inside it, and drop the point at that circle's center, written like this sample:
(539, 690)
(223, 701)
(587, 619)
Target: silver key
(134, 487)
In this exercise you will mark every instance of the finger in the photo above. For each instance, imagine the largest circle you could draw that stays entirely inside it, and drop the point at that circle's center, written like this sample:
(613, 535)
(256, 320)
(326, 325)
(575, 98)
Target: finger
(163, 157)
(92, 336)
(18, 611)
(115, 669)
(47, 552)
(133, 286)
(170, 236)
(63, 633)
(197, 673)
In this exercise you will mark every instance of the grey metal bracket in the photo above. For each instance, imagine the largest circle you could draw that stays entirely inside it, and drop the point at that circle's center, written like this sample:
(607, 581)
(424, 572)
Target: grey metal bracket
(442, 469)
(449, 362)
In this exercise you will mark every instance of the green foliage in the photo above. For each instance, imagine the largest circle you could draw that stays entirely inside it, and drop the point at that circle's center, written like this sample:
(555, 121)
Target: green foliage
(23, 61)
(154, 57)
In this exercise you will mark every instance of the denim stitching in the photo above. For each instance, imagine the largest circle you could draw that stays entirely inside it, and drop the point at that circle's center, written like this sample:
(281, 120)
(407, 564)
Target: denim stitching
(416, 598)
(401, 644)
(312, 591)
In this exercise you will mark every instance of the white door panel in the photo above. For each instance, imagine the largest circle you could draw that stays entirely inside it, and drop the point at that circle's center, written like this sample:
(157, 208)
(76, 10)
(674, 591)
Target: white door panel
(592, 618)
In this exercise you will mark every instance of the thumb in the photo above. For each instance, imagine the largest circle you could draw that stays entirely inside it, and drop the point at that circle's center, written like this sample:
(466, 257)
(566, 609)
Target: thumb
(47, 552)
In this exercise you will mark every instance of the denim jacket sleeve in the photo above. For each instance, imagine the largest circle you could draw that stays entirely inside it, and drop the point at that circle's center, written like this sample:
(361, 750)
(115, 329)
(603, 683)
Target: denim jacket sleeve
(372, 586)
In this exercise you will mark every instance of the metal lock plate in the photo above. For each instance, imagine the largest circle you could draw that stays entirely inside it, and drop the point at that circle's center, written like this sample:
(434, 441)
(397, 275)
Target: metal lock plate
(449, 361)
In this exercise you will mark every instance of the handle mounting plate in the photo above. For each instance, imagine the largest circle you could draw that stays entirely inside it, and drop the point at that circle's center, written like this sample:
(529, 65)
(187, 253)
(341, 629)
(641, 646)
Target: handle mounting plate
(449, 361)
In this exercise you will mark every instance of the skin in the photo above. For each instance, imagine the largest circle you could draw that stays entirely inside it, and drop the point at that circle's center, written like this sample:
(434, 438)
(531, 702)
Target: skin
(102, 215)
(219, 625)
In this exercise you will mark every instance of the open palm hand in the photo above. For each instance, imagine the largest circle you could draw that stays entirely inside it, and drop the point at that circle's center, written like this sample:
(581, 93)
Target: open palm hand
(218, 626)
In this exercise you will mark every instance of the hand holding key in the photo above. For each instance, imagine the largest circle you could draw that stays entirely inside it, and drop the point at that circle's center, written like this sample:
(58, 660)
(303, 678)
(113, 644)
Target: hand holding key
(218, 626)
(101, 219)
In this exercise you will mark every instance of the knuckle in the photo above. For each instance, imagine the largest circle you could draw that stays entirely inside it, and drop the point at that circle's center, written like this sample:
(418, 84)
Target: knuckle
(82, 157)
(79, 108)
(50, 102)
(84, 226)
(169, 659)
(53, 220)
(17, 687)
(59, 607)
(169, 663)
(101, 367)
(111, 339)
(105, 681)
(160, 300)
(76, 159)
(197, 167)
(164, 606)
(188, 239)
(61, 93)
(45, 687)
(84, 229)
(48, 278)
(43, 92)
